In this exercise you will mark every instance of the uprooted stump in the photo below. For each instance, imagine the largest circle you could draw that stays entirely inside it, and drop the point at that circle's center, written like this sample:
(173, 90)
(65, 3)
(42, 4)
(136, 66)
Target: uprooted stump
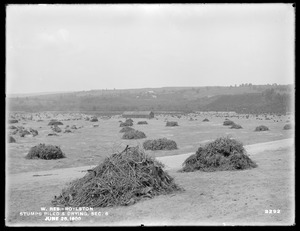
(33, 132)
(133, 134)
(121, 179)
(261, 128)
(171, 124)
(56, 129)
(142, 122)
(160, 144)
(219, 155)
(47, 152)
(126, 129)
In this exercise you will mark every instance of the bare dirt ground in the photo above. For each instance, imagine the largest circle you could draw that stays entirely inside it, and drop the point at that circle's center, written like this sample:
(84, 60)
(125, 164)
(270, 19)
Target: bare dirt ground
(216, 198)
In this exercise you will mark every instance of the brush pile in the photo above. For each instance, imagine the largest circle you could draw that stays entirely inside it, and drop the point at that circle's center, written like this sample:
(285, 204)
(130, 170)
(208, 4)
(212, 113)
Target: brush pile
(160, 144)
(261, 128)
(219, 155)
(236, 126)
(11, 139)
(121, 179)
(94, 119)
(46, 152)
(133, 134)
(54, 123)
(142, 122)
(126, 123)
(126, 129)
(12, 121)
(228, 123)
(287, 127)
(171, 124)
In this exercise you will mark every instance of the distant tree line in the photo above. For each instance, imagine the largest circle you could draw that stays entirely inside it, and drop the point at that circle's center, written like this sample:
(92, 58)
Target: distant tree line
(272, 99)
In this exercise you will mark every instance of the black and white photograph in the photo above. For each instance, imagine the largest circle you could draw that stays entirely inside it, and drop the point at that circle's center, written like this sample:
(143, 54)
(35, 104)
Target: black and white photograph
(150, 114)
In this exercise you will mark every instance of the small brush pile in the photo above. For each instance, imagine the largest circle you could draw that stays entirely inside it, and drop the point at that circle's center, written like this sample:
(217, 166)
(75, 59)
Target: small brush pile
(94, 119)
(126, 129)
(121, 179)
(228, 123)
(46, 152)
(287, 127)
(11, 139)
(220, 155)
(142, 122)
(261, 128)
(236, 126)
(171, 124)
(54, 123)
(160, 144)
(133, 134)
(126, 123)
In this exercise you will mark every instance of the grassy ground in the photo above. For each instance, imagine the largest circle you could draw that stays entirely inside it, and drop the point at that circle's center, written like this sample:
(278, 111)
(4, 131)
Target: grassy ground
(89, 145)
(235, 197)
(215, 198)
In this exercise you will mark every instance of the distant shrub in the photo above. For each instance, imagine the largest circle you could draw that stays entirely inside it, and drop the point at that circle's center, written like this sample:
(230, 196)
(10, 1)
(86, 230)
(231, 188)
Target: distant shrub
(205, 120)
(54, 122)
(261, 128)
(219, 155)
(142, 122)
(126, 129)
(228, 123)
(67, 131)
(52, 134)
(12, 127)
(13, 121)
(46, 152)
(171, 124)
(236, 126)
(11, 139)
(134, 134)
(287, 127)
(74, 127)
(160, 144)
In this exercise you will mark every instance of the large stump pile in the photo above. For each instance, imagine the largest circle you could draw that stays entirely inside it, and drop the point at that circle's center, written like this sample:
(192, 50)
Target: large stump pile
(121, 179)
(222, 154)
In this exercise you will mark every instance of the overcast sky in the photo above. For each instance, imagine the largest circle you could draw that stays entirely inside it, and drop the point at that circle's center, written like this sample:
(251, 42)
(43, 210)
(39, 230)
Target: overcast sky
(83, 47)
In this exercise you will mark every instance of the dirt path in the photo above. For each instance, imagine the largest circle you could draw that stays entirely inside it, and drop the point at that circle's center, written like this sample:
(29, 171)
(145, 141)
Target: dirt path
(171, 163)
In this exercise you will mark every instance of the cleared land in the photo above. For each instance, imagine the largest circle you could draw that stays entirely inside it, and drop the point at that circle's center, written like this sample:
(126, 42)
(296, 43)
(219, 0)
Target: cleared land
(217, 198)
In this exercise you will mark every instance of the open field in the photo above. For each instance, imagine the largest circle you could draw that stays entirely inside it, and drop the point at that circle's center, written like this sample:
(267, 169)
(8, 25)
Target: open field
(217, 198)
(89, 145)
